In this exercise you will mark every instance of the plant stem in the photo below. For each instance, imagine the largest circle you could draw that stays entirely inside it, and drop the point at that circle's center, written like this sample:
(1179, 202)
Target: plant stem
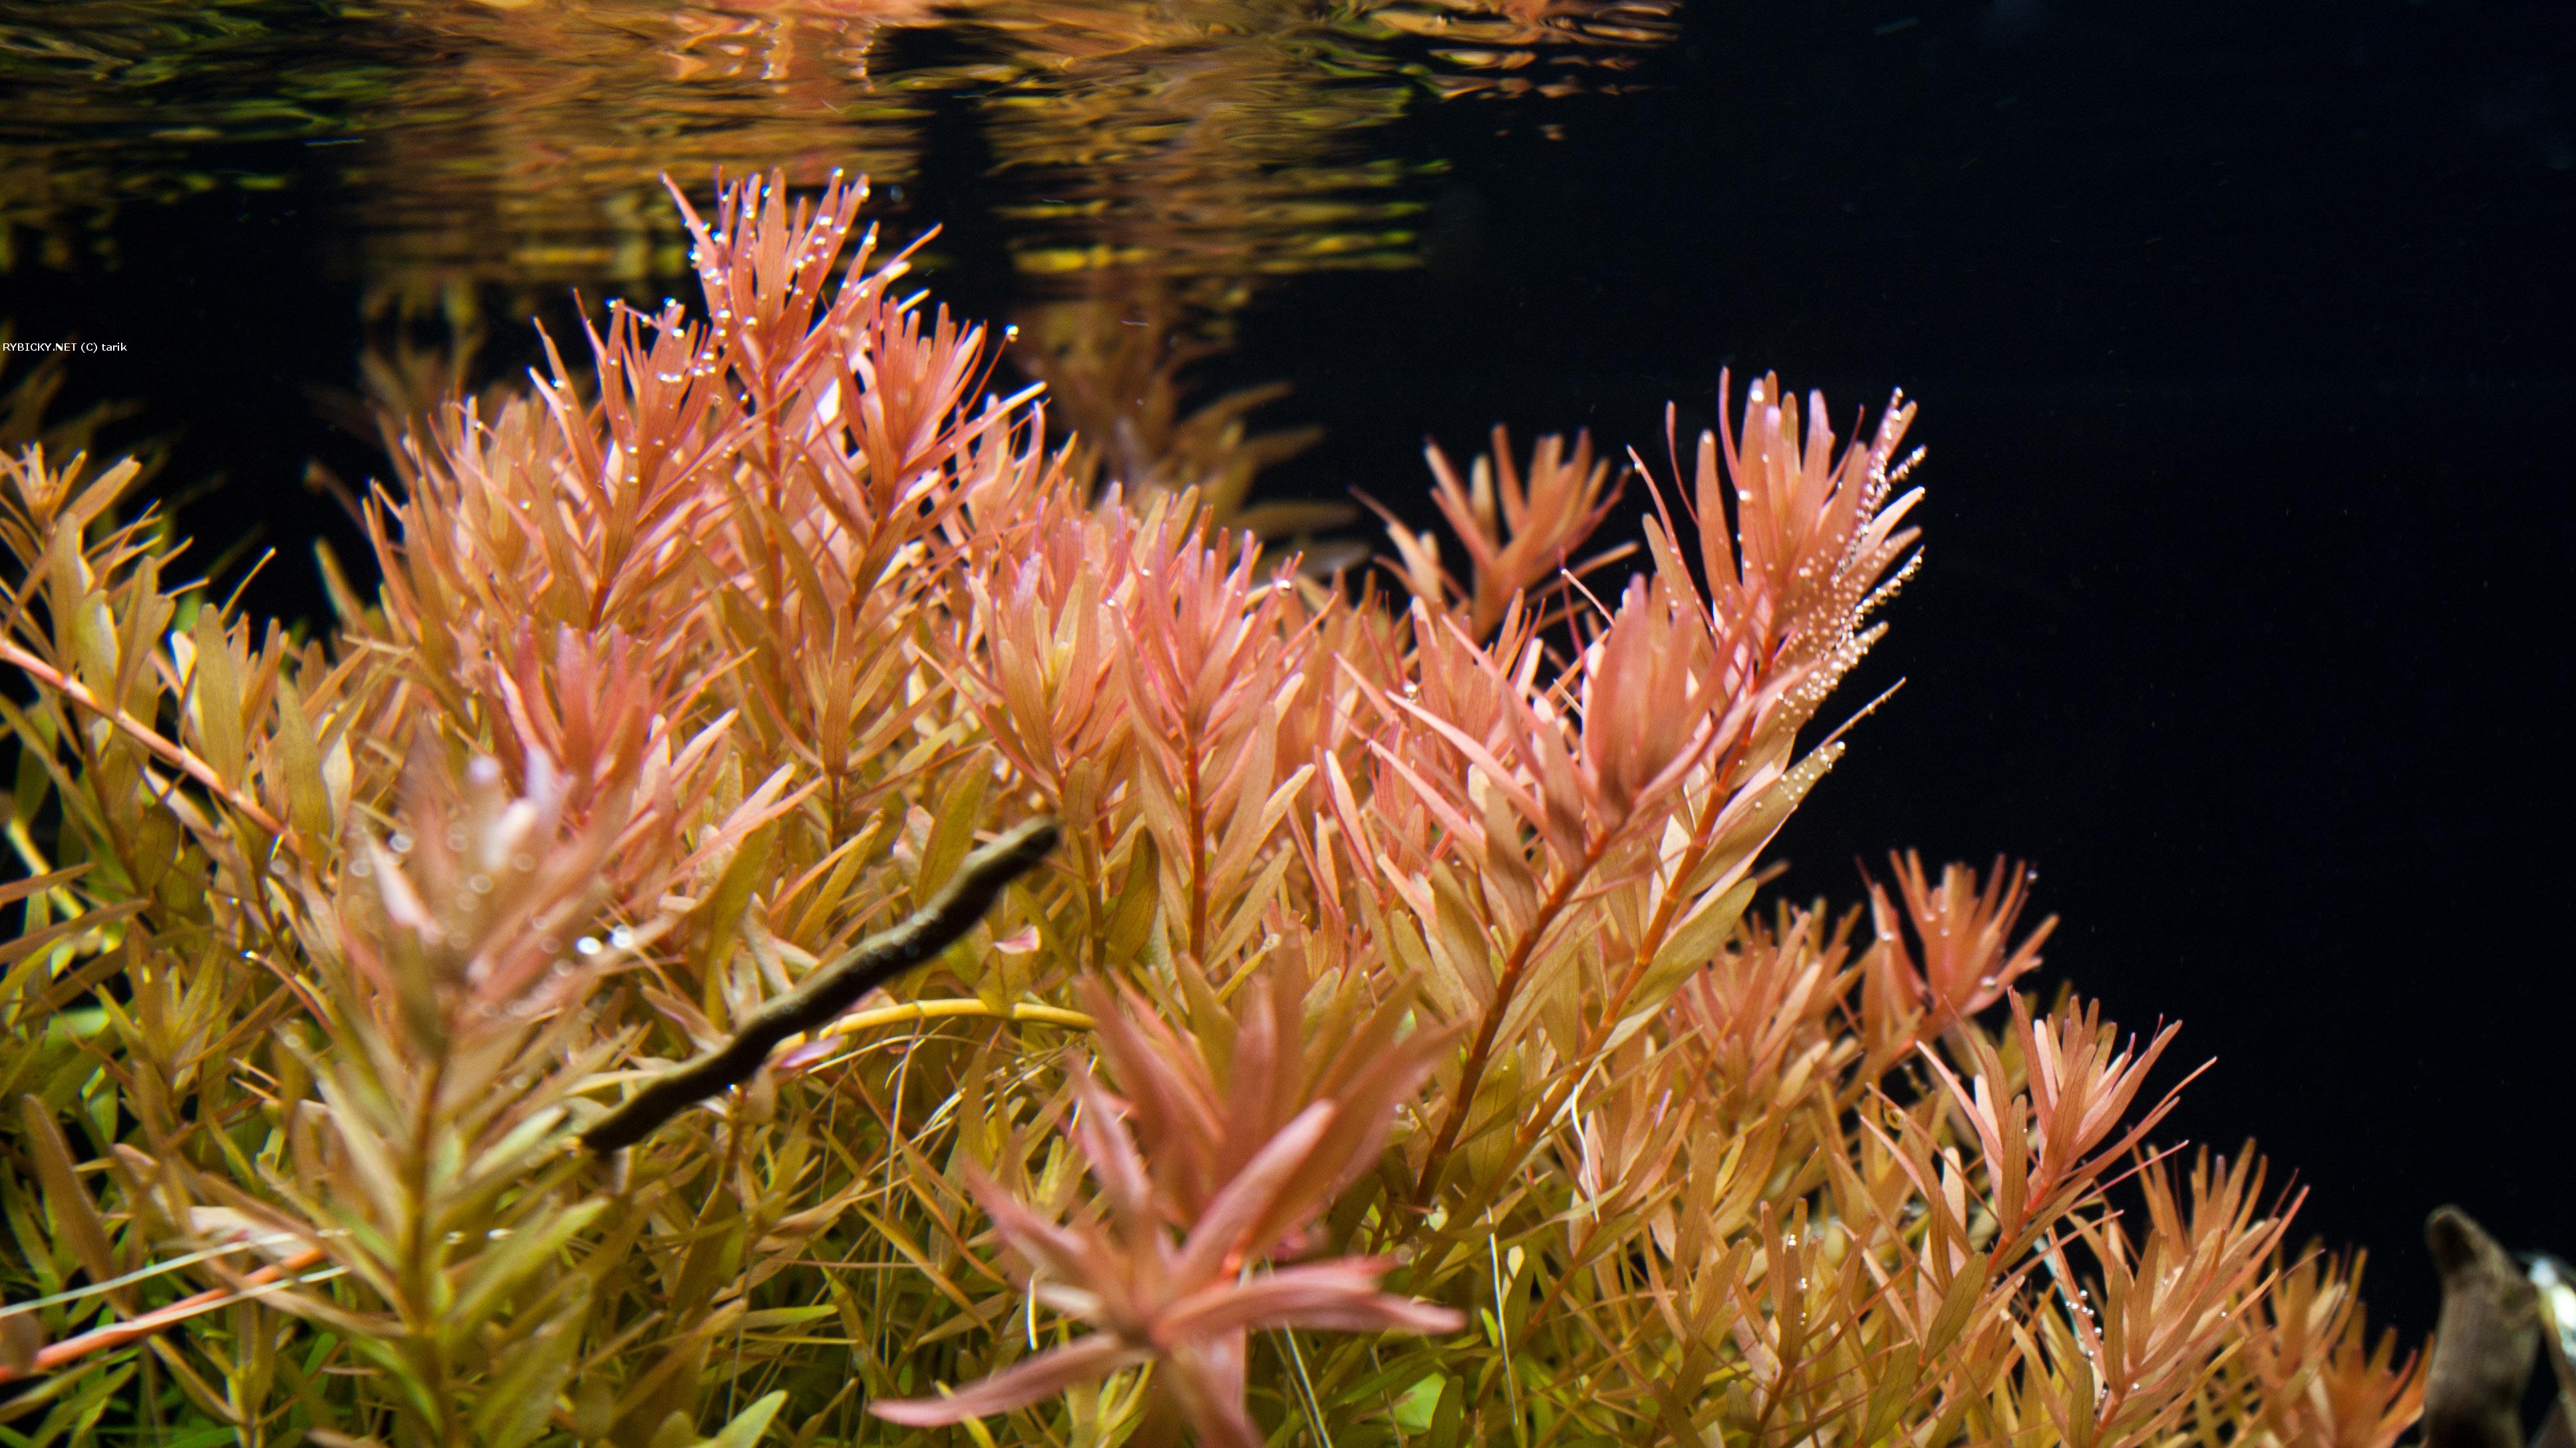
(1043, 1015)
(1650, 943)
(1506, 986)
(143, 734)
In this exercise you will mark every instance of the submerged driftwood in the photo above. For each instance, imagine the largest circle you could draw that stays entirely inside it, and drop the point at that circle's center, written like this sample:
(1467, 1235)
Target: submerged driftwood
(831, 990)
(2483, 1344)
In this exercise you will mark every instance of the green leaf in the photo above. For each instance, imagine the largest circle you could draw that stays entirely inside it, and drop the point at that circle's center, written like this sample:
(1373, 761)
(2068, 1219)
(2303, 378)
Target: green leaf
(1414, 1409)
(1966, 1291)
(308, 798)
(1449, 1418)
(503, 1268)
(1131, 916)
(785, 1316)
(75, 1215)
(502, 1159)
(155, 848)
(218, 697)
(94, 645)
(749, 1424)
(722, 910)
(952, 834)
(1691, 945)
(515, 1406)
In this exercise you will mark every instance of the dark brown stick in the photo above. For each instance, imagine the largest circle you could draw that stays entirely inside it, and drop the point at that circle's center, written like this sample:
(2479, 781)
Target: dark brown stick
(831, 989)
(2482, 1343)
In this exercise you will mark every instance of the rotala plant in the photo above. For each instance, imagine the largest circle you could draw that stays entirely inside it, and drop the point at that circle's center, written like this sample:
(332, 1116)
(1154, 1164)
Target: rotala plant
(787, 919)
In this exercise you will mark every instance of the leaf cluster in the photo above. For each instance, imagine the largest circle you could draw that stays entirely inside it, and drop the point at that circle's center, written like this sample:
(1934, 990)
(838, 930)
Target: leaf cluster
(1392, 1048)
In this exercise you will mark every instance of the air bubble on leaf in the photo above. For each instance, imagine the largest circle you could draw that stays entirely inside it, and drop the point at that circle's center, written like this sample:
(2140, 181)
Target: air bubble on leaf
(398, 842)
(587, 945)
(621, 938)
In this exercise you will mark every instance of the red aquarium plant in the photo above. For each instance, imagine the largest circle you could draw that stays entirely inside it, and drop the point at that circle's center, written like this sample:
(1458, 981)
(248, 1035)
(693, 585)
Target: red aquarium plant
(790, 915)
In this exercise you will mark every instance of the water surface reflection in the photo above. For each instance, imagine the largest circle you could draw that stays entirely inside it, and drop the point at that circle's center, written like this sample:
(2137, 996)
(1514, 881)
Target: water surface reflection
(1145, 168)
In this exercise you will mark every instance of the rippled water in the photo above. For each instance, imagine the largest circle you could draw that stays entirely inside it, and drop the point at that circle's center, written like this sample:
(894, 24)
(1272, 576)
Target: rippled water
(1145, 169)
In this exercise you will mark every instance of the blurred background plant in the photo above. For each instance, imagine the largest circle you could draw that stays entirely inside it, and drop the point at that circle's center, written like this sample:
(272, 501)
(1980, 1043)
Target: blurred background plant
(1394, 1048)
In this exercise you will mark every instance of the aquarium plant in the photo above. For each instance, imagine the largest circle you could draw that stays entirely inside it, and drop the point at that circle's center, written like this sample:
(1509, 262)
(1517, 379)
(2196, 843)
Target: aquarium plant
(787, 915)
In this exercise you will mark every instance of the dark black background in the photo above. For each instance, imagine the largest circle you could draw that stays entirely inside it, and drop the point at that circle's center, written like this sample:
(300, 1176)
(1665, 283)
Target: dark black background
(2240, 333)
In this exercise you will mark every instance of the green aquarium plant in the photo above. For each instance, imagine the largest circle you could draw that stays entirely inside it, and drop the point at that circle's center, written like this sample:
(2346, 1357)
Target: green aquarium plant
(788, 916)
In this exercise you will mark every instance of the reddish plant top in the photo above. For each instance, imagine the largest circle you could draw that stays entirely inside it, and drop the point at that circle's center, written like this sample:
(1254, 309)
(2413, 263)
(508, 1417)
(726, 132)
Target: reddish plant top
(1391, 1047)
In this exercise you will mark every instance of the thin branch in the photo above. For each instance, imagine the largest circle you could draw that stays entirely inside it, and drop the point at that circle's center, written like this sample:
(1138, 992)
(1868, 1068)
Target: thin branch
(117, 1334)
(829, 991)
(176, 755)
(1506, 986)
(940, 1010)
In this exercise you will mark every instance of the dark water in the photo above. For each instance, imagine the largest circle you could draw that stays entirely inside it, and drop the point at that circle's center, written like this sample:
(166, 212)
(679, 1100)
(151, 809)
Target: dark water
(2241, 333)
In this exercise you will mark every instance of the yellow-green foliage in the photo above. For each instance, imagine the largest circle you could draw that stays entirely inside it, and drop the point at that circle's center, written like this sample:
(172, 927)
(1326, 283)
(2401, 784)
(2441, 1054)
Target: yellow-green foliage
(1394, 1048)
